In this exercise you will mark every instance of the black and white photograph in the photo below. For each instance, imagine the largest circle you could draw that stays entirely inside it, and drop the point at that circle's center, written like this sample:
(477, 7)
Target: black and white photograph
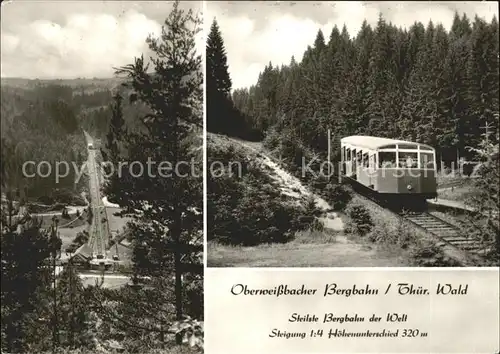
(352, 134)
(102, 177)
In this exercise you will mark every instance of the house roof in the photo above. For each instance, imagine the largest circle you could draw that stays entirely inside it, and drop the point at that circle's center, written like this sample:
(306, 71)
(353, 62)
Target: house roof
(84, 251)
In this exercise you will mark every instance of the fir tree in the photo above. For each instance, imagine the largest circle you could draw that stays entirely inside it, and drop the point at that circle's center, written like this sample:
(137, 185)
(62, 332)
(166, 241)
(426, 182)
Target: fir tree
(166, 204)
(26, 278)
(218, 86)
(422, 84)
(116, 130)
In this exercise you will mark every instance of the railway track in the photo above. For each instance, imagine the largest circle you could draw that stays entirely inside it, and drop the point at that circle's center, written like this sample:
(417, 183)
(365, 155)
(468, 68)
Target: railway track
(443, 230)
(97, 240)
(420, 217)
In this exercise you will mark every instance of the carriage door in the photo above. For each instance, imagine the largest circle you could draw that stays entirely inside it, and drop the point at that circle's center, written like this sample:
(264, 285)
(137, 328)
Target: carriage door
(371, 169)
(353, 163)
(358, 162)
(343, 160)
(347, 161)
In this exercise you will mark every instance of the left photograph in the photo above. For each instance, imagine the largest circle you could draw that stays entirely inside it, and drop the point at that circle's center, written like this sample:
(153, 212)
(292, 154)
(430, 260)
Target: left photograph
(102, 177)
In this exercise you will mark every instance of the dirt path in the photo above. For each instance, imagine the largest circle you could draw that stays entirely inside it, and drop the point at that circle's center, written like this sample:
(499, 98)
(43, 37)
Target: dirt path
(291, 186)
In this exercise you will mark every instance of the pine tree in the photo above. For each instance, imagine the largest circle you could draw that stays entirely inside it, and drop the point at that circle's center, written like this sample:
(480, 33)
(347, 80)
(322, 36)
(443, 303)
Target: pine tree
(423, 84)
(165, 203)
(26, 277)
(73, 311)
(484, 223)
(355, 116)
(482, 72)
(218, 85)
(116, 130)
(383, 88)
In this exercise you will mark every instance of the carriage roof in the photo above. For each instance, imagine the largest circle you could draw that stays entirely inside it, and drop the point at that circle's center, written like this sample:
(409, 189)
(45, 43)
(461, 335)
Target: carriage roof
(375, 143)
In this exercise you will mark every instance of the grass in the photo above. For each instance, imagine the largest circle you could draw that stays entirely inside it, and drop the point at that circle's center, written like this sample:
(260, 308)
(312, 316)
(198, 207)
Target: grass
(68, 235)
(316, 237)
(117, 225)
(116, 222)
(311, 248)
(459, 194)
(174, 349)
(326, 248)
(124, 253)
(458, 189)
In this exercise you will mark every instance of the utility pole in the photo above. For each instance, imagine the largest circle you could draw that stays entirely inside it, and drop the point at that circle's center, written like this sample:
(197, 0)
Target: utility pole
(329, 152)
(72, 299)
(55, 334)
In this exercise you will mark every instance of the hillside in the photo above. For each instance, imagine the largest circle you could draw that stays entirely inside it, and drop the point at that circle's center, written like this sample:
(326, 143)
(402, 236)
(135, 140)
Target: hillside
(266, 191)
(86, 83)
(42, 123)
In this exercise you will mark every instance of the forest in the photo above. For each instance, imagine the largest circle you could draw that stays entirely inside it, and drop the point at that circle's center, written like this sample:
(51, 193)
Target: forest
(422, 84)
(44, 121)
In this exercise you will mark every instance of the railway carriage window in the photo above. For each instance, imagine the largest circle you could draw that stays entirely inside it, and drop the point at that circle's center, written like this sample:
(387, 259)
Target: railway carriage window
(366, 161)
(426, 160)
(407, 146)
(348, 154)
(408, 159)
(359, 157)
(387, 159)
(425, 148)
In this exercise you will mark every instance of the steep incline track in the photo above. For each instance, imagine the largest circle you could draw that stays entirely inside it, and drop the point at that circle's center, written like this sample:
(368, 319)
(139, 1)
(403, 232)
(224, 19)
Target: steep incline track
(443, 230)
(439, 228)
(98, 238)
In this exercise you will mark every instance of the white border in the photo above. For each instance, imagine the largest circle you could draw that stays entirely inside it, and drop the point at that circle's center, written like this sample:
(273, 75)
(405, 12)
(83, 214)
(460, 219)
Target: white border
(355, 269)
(203, 57)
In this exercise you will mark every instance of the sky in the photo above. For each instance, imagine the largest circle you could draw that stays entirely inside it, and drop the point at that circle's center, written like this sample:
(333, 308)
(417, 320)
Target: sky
(70, 39)
(256, 33)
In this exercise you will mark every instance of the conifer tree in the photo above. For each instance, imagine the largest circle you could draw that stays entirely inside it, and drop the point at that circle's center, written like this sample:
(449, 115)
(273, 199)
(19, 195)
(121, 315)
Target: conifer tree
(26, 279)
(115, 131)
(484, 223)
(73, 310)
(166, 201)
(218, 86)
(422, 84)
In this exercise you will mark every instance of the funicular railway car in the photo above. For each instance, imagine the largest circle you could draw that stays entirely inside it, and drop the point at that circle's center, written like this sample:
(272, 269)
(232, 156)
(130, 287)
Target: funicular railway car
(392, 168)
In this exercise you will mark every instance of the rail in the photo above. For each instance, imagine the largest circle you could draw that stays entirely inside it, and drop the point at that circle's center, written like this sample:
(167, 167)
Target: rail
(442, 230)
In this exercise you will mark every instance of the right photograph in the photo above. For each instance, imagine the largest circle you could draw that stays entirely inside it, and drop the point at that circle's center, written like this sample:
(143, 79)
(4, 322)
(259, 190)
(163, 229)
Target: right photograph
(352, 134)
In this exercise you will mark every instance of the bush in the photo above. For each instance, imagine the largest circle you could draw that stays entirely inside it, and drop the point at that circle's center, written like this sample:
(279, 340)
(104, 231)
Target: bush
(45, 199)
(80, 239)
(338, 196)
(61, 196)
(392, 232)
(249, 209)
(360, 221)
(191, 331)
(432, 256)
